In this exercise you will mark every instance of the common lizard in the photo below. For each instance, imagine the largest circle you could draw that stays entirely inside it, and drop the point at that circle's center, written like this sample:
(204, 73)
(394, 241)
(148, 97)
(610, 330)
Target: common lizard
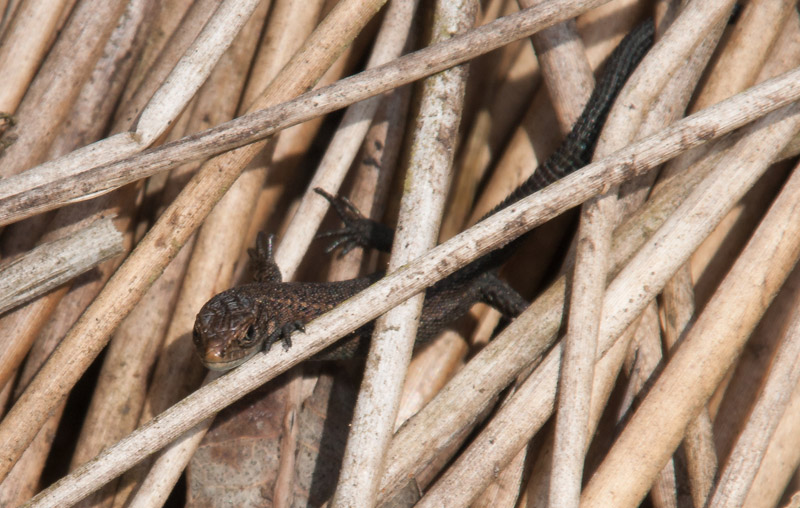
(236, 324)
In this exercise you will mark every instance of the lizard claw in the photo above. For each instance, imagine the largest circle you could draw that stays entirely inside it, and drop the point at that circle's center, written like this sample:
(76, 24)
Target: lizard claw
(358, 231)
(284, 334)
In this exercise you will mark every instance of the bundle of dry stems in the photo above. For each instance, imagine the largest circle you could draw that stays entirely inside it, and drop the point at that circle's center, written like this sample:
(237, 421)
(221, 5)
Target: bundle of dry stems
(146, 143)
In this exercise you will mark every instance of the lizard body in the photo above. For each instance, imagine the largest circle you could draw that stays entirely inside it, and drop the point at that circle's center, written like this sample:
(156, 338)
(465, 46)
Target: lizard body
(237, 323)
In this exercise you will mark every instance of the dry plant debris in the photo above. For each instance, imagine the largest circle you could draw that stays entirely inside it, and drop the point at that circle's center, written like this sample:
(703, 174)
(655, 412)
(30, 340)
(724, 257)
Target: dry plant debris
(144, 144)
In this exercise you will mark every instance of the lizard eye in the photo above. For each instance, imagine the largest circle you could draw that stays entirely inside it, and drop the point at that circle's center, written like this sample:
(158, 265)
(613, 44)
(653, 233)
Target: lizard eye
(249, 338)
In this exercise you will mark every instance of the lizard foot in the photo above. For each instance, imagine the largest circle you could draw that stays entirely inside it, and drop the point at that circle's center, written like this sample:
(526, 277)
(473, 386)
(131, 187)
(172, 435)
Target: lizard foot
(358, 231)
(284, 334)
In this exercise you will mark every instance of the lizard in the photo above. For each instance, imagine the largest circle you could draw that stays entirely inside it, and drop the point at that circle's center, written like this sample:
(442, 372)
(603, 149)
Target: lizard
(236, 324)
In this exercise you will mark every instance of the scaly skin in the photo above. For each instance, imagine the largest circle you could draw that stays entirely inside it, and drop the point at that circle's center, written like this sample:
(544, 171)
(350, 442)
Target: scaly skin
(236, 324)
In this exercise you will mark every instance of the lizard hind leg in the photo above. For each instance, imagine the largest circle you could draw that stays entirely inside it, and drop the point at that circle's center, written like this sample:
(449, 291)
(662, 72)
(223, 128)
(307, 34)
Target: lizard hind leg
(358, 231)
(264, 267)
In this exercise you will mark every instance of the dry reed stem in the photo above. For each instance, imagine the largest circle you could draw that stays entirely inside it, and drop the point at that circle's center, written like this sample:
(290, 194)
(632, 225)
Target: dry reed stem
(701, 457)
(743, 462)
(646, 359)
(7, 9)
(430, 369)
(373, 173)
(90, 113)
(23, 196)
(68, 217)
(23, 481)
(479, 383)
(489, 129)
(548, 208)
(537, 491)
(794, 502)
(163, 22)
(504, 490)
(380, 147)
(698, 365)
(24, 45)
(170, 464)
(122, 384)
(428, 176)
(162, 243)
(218, 248)
(185, 77)
(537, 136)
(746, 150)
(556, 55)
(779, 59)
(593, 246)
(292, 142)
(298, 142)
(747, 378)
(93, 109)
(669, 104)
(737, 172)
(51, 264)
(751, 38)
(438, 426)
(29, 468)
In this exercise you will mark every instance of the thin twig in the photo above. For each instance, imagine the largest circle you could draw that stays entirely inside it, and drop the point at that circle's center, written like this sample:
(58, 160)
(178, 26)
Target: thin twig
(51, 264)
(639, 278)
(512, 426)
(569, 79)
(194, 66)
(678, 298)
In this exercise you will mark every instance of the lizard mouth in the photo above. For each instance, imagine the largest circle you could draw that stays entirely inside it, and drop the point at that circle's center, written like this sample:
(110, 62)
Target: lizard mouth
(214, 360)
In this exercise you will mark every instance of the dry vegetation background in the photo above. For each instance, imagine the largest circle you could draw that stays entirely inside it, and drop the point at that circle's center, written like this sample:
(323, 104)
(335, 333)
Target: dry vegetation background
(126, 202)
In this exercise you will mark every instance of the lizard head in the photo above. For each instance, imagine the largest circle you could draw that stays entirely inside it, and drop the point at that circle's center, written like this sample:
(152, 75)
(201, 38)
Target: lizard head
(225, 331)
